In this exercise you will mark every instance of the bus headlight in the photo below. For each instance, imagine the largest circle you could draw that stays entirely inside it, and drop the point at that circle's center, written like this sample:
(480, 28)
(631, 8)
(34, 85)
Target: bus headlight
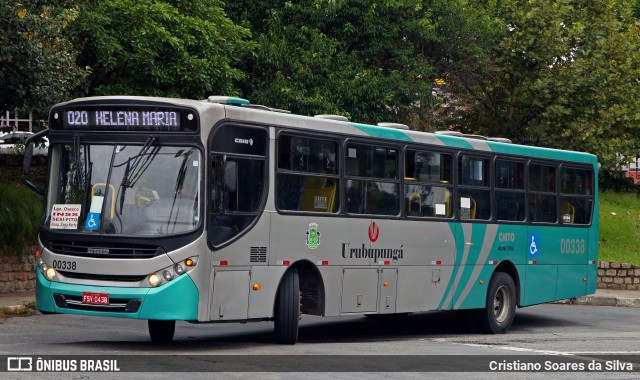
(168, 274)
(50, 273)
(154, 280)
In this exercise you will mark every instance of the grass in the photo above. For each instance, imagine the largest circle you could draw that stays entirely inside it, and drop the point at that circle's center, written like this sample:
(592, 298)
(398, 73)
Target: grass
(620, 228)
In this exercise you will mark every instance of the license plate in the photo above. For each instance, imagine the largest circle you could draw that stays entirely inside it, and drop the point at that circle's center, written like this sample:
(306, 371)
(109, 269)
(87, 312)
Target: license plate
(95, 298)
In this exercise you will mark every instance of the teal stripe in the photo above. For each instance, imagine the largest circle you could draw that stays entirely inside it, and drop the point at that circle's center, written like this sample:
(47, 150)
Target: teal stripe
(545, 153)
(382, 132)
(455, 142)
(478, 232)
(456, 266)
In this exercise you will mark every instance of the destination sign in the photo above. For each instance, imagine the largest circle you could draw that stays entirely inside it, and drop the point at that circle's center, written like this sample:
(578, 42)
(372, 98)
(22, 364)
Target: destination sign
(112, 118)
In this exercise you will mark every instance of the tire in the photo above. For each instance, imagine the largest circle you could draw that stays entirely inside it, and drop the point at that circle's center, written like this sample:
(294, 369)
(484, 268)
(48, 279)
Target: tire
(287, 310)
(497, 316)
(161, 331)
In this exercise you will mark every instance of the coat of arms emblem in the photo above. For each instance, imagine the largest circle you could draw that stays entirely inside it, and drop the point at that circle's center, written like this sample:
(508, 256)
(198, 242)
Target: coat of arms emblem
(313, 236)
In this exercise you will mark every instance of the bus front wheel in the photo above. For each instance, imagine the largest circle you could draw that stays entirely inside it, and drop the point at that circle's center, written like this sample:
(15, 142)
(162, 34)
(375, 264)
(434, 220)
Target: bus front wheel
(161, 331)
(497, 316)
(287, 310)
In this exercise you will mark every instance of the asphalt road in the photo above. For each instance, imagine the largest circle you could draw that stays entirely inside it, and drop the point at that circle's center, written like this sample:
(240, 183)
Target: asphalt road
(564, 333)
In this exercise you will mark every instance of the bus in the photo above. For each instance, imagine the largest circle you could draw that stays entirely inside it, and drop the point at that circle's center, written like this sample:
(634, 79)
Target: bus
(220, 210)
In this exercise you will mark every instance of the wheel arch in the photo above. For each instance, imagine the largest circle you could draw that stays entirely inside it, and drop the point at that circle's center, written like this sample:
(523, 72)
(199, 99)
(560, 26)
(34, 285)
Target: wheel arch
(311, 287)
(509, 268)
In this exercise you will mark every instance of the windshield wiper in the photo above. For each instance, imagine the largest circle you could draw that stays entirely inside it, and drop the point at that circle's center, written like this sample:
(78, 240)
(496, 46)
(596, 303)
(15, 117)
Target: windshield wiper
(136, 166)
(83, 168)
(179, 187)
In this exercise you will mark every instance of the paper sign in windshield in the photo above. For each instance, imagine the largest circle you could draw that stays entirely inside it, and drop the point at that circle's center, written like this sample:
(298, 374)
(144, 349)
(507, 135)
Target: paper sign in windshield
(65, 217)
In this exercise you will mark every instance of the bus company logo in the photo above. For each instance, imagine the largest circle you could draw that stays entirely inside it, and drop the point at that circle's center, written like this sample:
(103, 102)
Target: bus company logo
(238, 140)
(363, 252)
(374, 232)
(313, 236)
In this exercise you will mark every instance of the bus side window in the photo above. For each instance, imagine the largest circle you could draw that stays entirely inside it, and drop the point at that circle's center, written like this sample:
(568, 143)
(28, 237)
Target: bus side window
(307, 178)
(474, 192)
(576, 196)
(428, 184)
(542, 200)
(509, 194)
(375, 188)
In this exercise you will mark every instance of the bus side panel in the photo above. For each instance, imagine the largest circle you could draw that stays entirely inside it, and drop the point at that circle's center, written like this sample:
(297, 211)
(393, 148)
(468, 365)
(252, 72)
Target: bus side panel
(539, 284)
(421, 288)
(476, 292)
(332, 279)
(571, 281)
(261, 302)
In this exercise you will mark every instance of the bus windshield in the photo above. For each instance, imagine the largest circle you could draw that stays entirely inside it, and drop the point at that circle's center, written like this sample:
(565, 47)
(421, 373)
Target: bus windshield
(135, 190)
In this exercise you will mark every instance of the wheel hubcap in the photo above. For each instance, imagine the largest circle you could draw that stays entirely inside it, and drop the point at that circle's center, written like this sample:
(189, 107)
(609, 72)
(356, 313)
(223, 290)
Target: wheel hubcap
(501, 304)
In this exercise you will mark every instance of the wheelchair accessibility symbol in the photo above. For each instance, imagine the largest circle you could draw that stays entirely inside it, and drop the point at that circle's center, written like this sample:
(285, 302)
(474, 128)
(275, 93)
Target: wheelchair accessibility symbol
(534, 244)
(93, 221)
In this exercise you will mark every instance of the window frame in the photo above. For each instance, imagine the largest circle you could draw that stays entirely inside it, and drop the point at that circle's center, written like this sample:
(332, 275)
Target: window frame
(459, 188)
(496, 190)
(407, 181)
(399, 166)
(589, 196)
(337, 176)
(210, 154)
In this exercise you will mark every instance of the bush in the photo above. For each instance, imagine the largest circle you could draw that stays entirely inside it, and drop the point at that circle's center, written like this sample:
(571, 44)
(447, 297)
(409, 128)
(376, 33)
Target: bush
(20, 211)
(615, 180)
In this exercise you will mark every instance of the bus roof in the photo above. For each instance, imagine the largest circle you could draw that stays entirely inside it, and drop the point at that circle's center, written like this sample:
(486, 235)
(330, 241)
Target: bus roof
(241, 109)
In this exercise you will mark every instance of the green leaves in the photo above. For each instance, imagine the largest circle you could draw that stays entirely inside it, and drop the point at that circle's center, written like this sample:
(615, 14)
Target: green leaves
(562, 74)
(356, 58)
(37, 63)
(162, 48)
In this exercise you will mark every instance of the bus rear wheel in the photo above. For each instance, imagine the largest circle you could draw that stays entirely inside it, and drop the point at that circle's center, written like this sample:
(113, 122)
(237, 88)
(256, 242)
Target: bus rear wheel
(287, 310)
(497, 316)
(161, 331)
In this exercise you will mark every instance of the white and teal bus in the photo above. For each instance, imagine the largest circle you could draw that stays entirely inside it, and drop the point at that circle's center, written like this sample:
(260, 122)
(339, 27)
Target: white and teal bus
(220, 210)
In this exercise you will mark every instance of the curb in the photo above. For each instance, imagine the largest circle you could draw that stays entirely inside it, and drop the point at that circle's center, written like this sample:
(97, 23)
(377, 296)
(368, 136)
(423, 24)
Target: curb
(596, 300)
(12, 309)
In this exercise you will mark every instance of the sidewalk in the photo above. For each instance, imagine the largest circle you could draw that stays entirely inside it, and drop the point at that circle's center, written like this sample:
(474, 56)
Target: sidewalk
(11, 302)
(608, 297)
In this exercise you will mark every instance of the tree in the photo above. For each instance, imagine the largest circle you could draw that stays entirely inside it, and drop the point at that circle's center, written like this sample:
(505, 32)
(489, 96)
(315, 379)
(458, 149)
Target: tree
(561, 74)
(163, 48)
(363, 59)
(37, 63)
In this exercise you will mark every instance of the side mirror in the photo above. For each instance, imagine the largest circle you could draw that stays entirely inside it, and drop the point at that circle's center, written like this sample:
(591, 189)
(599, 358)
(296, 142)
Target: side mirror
(28, 157)
(26, 161)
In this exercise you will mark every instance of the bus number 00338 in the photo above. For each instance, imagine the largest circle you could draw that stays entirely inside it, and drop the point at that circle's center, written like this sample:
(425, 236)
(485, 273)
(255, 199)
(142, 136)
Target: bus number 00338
(572, 246)
(61, 264)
